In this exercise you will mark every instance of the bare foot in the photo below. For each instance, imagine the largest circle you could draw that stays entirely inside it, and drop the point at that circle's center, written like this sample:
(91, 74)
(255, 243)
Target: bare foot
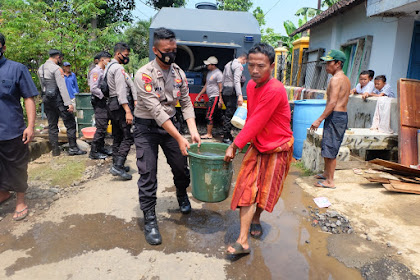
(206, 136)
(4, 195)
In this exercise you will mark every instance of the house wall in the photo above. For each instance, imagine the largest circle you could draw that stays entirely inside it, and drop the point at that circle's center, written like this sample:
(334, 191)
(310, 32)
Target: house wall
(375, 7)
(391, 39)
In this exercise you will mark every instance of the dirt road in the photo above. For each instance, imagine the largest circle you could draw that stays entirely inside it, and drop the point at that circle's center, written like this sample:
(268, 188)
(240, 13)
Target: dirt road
(92, 229)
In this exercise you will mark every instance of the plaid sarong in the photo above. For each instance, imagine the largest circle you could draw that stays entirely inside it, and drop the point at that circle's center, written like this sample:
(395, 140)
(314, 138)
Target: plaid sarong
(261, 177)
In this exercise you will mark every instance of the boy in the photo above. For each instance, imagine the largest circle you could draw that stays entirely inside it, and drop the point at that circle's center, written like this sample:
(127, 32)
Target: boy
(365, 84)
(381, 88)
(267, 161)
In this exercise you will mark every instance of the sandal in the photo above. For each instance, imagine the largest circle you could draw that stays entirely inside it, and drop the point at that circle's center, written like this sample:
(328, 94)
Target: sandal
(322, 185)
(239, 250)
(256, 227)
(21, 216)
(320, 176)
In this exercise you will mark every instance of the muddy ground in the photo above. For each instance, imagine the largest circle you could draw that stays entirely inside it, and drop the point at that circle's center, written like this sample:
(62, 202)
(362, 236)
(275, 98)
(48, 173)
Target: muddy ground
(86, 224)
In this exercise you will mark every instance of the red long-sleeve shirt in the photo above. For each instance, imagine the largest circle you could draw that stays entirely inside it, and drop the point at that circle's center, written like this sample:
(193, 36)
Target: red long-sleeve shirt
(268, 117)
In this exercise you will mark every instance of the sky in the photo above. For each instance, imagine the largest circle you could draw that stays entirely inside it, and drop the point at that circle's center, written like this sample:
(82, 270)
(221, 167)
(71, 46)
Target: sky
(277, 11)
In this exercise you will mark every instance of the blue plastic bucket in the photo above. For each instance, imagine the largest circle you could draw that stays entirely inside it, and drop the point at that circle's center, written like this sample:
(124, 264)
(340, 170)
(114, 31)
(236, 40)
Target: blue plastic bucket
(304, 114)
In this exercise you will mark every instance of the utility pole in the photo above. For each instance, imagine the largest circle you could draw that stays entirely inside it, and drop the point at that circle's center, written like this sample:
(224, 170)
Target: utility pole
(319, 4)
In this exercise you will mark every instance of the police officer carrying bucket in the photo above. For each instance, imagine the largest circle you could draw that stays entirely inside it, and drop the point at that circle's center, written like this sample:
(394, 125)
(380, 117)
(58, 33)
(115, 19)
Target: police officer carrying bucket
(57, 102)
(160, 85)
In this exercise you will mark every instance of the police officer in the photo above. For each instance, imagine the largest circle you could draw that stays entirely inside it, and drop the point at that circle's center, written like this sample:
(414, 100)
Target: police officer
(98, 100)
(57, 102)
(121, 104)
(160, 85)
(15, 83)
(232, 93)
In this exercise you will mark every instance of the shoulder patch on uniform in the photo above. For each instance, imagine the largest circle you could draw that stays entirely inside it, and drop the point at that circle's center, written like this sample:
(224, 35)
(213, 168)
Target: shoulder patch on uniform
(148, 87)
(123, 71)
(95, 77)
(146, 78)
(178, 81)
(61, 71)
(242, 68)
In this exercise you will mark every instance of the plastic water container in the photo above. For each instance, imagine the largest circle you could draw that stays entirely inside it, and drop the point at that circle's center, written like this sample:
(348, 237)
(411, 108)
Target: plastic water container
(239, 118)
(304, 114)
(211, 176)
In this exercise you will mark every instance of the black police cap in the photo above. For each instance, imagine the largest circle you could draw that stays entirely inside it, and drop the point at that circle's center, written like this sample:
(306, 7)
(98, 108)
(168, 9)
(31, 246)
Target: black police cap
(54, 52)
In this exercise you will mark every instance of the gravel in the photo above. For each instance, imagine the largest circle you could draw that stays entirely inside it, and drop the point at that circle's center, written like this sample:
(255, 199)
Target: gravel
(330, 221)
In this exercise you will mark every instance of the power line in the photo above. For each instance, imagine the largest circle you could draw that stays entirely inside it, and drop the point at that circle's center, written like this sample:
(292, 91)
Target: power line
(272, 8)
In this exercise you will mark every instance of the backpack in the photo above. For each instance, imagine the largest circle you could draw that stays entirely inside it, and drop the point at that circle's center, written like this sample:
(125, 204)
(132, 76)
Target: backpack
(103, 84)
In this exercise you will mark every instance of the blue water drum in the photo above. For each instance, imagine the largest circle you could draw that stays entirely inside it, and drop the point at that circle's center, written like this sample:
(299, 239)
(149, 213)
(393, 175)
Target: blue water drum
(304, 114)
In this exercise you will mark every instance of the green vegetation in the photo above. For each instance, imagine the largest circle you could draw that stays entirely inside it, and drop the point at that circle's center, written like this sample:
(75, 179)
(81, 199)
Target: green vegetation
(62, 171)
(306, 172)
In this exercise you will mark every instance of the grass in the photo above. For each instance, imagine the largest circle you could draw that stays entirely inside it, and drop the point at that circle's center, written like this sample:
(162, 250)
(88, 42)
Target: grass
(306, 172)
(61, 171)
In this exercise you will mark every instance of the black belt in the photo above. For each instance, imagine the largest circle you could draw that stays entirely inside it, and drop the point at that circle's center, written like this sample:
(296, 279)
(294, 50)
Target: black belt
(152, 122)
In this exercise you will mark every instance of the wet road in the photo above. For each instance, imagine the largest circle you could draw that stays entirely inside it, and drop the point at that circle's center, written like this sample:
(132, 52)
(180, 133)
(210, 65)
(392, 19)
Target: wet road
(97, 234)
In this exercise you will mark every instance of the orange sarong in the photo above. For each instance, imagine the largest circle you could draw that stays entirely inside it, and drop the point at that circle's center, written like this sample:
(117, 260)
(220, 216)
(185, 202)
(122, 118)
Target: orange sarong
(261, 177)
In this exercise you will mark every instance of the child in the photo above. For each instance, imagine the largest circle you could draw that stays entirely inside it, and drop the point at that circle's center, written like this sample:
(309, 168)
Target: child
(365, 84)
(381, 88)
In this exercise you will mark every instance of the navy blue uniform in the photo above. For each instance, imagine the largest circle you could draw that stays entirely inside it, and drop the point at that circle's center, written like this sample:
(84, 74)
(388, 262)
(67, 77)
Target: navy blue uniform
(15, 83)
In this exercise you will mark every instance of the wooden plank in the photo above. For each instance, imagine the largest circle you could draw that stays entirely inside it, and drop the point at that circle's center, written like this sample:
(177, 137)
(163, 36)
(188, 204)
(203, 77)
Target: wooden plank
(366, 53)
(407, 146)
(354, 77)
(396, 166)
(405, 186)
(391, 188)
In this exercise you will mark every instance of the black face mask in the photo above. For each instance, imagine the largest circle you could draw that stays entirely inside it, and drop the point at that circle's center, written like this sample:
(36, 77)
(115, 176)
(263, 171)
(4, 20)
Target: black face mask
(125, 59)
(167, 58)
(1, 52)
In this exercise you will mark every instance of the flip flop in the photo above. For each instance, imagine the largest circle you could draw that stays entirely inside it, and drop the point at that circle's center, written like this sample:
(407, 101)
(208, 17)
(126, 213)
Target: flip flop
(321, 185)
(19, 218)
(239, 250)
(256, 227)
(10, 196)
(320, 176)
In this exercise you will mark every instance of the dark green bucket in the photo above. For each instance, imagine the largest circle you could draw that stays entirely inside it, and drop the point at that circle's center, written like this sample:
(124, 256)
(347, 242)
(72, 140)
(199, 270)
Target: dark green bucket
(211, 176)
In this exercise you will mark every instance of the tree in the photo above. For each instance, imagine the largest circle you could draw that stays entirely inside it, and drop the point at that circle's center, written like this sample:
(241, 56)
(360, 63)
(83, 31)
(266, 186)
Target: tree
(116, 11)
(32, 27)
(138, 38)
(307, 13)
(259, 15)
(234, 5)
(329, 3)
(159, 4)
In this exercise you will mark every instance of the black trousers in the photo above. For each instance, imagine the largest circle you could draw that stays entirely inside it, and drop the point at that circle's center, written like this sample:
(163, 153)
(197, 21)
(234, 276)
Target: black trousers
(55, 109)
(121, 132)
(14, 158)
(230, 103)
(148, 138)
(102, 117)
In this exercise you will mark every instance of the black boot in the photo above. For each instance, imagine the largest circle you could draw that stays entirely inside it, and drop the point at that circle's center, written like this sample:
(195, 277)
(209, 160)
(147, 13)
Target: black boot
(184, 203)
(151, 230)
(117, 169)
(126, 168)
(94, 153)
(105, 151)
(55, 150)
(75, 151)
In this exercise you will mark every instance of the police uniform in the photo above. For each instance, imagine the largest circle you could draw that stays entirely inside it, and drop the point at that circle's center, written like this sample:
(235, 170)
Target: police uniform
(100, 107)
(119, 94)
(15, 83)
(231, 90)
(56, 100)
(158, 93)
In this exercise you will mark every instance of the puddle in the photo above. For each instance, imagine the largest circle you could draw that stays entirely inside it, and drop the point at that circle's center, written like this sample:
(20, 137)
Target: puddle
(282, 252)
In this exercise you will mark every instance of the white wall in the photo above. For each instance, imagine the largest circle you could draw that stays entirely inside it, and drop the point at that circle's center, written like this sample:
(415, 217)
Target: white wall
(391, 39)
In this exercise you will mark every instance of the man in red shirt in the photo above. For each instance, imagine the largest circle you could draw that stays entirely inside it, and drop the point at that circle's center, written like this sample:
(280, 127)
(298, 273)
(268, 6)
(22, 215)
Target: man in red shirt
(267, 161)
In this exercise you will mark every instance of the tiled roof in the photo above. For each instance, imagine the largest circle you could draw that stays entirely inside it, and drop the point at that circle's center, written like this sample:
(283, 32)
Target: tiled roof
(338, 7)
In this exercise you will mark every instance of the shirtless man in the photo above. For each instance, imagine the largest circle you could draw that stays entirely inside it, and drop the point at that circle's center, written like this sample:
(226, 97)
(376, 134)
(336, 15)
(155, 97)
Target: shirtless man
(335, 116)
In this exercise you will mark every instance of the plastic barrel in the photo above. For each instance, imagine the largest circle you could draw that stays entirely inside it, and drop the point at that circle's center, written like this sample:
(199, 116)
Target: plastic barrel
(304, 114)
(85, 112)
(211, 176)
